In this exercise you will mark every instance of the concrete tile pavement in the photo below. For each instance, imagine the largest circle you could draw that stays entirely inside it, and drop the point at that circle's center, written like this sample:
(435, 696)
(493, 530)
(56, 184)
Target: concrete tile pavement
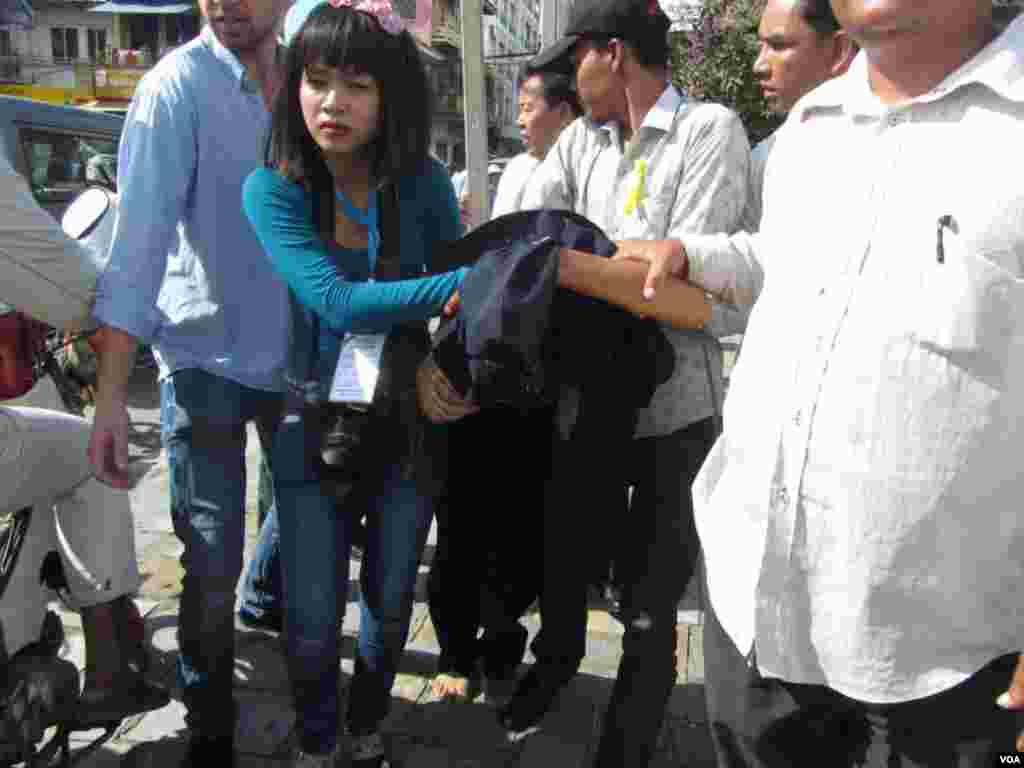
(421, 732)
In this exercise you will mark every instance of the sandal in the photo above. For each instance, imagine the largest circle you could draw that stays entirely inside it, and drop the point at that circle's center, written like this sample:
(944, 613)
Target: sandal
(454, 687)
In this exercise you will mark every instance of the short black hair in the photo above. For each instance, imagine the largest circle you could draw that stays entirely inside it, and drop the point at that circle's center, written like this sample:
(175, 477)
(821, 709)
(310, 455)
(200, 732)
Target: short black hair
(651, 51)
(819, 15)
(556, 88)
(347, 39)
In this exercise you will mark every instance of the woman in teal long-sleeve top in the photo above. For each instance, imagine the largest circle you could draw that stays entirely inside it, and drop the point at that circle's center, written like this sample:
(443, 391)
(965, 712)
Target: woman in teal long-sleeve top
(332, 281)
(352, 117)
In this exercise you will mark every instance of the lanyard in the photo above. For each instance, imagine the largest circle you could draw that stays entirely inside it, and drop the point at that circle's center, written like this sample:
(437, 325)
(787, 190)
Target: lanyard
(368, 219)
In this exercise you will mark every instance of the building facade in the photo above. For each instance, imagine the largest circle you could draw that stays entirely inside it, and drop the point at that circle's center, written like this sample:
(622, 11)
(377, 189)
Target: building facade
(438, 30)
(511, 38)
(78, 52)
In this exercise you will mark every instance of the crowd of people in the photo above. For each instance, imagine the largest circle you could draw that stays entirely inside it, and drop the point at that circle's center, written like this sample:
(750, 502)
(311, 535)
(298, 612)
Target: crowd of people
(852, 500)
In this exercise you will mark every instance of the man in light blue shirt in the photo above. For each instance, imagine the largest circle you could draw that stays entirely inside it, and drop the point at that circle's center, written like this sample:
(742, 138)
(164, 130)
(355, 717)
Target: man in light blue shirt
(187, 275)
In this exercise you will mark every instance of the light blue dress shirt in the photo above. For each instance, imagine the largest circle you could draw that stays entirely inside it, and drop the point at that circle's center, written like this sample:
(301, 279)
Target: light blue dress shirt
(186, 272)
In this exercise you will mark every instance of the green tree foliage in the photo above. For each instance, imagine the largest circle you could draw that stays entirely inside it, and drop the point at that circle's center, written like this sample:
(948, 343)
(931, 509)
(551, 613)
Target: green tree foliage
(713, 60)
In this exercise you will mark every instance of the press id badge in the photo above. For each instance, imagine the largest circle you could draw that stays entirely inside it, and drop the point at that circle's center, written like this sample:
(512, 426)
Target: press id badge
(355, 376)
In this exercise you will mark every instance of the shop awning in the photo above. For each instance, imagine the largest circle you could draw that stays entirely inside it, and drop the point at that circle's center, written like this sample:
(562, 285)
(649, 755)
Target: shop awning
(143, 6)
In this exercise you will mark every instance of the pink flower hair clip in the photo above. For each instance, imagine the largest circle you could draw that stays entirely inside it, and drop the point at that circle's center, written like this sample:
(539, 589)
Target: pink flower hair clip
(381, 10)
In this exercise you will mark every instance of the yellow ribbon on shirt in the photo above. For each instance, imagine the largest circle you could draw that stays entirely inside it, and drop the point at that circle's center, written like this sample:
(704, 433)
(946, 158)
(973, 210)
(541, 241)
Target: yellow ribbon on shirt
(637, 193)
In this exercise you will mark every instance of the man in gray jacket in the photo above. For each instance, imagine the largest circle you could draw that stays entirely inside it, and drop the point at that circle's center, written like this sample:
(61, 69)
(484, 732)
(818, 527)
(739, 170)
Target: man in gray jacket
(44, 465)
(646, 163)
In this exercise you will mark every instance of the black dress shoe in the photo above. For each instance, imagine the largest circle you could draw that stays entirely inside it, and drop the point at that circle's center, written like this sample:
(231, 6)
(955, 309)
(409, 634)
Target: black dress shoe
(534, 696)
(132, 696)
(368, 752)
(209, 750)
(268, 621)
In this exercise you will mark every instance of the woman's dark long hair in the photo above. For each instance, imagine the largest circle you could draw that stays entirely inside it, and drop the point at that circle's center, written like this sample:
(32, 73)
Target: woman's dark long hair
(347, 39)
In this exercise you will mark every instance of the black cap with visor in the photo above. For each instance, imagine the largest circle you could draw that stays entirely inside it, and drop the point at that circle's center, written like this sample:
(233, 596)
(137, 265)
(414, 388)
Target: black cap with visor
(633, 21)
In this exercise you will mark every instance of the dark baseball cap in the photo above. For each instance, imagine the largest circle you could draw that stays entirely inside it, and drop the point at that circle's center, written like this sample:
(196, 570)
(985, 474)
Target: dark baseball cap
(634, 21)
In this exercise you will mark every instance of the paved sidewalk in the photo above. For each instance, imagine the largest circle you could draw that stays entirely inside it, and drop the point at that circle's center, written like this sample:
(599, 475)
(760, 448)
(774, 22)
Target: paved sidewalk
(421, 731)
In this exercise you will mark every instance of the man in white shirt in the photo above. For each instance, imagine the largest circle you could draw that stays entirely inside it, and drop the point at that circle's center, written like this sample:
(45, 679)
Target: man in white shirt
(802, 46)
(547, 104)
(860, 515)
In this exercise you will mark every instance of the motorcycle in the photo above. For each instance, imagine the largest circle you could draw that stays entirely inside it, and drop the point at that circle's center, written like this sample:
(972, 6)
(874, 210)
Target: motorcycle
(38, 689)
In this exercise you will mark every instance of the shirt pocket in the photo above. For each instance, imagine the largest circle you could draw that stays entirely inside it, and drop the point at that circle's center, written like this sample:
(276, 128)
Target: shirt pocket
(658, 209)
(656, 195)
(972, 308)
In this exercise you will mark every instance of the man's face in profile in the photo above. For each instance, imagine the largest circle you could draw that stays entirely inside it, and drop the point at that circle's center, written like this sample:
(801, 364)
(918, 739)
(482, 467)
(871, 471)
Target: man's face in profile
(794, 57)
(539, 122)
(596, 83)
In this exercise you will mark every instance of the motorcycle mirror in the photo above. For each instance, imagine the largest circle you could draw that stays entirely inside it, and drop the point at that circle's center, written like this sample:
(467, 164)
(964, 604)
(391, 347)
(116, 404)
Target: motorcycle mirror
(85, 212)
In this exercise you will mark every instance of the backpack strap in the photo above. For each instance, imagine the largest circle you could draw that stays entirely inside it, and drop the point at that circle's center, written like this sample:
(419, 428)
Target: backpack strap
(389, 255)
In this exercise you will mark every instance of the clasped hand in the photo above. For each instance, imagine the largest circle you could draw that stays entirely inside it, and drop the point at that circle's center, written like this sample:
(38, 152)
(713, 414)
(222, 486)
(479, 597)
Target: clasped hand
(664, 257)
(438, 399)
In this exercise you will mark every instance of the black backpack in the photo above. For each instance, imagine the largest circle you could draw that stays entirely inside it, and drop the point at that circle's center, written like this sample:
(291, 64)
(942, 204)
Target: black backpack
(518, 339)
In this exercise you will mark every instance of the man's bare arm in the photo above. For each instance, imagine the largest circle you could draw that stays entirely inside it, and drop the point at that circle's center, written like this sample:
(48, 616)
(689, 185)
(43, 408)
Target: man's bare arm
(621, 282)
(108, 445)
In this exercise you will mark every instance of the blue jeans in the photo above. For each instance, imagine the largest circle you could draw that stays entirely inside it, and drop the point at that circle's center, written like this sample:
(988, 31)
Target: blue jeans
(398, 520)
(203, 419)
(315, 539)
(261, 584)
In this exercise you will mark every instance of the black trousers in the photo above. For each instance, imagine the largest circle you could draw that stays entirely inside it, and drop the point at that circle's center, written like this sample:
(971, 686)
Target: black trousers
(759, 722)
(487, 568)
(655, 551)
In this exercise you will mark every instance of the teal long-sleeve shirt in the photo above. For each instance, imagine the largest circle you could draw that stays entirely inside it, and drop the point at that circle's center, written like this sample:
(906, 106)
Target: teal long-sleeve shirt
(333, 282)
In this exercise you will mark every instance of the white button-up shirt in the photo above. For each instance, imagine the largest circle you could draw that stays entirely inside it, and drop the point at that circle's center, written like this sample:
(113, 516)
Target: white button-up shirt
(694, 160)
(861, 515)
(512, 185)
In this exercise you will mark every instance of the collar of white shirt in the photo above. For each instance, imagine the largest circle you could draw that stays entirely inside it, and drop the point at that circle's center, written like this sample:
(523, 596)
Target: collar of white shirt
(659, 117)
(999, 66)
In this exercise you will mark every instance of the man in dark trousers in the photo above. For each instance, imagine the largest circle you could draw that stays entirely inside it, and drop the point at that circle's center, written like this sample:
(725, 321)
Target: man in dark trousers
(645, 162)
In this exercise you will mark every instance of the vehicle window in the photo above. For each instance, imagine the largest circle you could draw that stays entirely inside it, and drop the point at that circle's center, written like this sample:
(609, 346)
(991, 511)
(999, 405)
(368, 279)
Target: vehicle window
(63, 164)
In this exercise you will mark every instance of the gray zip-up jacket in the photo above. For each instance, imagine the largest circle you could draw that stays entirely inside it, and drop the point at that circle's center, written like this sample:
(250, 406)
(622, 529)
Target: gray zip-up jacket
(43, 272)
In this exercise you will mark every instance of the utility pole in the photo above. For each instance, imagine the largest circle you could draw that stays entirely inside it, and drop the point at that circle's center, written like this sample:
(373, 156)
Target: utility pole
(474, 107)
(549, 32)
